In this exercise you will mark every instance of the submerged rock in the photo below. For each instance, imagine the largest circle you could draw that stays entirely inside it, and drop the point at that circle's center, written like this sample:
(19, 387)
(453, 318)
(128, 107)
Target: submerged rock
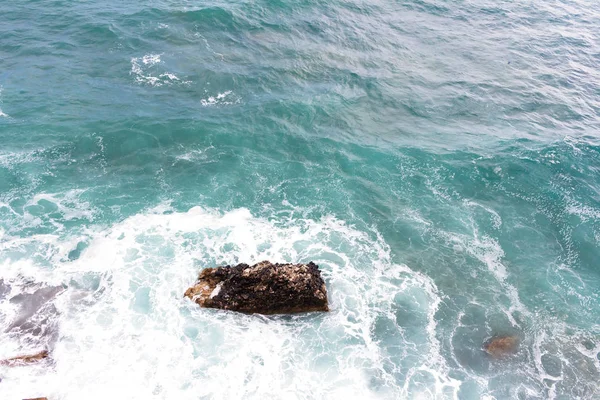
(32, 303)
(263, 288)
(25, 359)
(501, 346)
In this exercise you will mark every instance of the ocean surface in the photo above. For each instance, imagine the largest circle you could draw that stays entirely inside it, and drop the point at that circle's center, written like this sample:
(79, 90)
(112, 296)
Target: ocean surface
(438, 159)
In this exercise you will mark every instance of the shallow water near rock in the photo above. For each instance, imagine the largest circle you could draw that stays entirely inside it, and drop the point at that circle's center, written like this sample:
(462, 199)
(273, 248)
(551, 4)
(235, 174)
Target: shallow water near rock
(437, 159)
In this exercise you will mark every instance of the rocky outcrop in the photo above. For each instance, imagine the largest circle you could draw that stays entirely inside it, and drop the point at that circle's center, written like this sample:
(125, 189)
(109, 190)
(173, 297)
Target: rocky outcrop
(25, 359)
(263, 288)
(501, 346)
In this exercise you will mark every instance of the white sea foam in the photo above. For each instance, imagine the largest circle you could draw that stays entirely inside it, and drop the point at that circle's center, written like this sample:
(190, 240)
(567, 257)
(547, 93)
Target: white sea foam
(146, 71)
(2, 115)
(224, 98)
(496, 219)
(12, 159)
(126, 331)
(584, 212)
(488, 251)
(50, 210)
(195, 155)
(68, 204)
(574, 143)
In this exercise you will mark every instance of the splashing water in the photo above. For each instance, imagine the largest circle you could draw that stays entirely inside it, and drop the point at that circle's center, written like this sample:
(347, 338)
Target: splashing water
(437, 160)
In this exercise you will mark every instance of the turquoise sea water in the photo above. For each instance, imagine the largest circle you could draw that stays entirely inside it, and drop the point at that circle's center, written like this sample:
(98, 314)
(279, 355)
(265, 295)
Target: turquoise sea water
(440, 160)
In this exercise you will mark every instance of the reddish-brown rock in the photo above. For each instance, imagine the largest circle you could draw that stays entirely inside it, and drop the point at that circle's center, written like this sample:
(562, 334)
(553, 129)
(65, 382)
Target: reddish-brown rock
(25, 359)
(263, 288)
(502, 346)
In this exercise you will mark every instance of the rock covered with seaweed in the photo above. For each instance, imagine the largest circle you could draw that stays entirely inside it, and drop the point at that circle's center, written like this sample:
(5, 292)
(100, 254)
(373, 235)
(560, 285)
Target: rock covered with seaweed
(263, 288)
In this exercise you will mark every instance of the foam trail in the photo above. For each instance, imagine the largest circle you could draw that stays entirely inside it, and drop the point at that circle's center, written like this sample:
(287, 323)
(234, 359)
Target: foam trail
(219, 99)
(146, 71)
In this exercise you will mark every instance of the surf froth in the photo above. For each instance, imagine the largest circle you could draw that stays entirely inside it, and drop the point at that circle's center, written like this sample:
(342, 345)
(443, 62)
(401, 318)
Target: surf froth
(123, 318)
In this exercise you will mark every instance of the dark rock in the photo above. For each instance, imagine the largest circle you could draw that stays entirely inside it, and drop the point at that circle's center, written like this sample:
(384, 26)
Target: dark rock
(263, 288)
(25, 359)
(501, 346)
(38, 398)
(32, 303)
